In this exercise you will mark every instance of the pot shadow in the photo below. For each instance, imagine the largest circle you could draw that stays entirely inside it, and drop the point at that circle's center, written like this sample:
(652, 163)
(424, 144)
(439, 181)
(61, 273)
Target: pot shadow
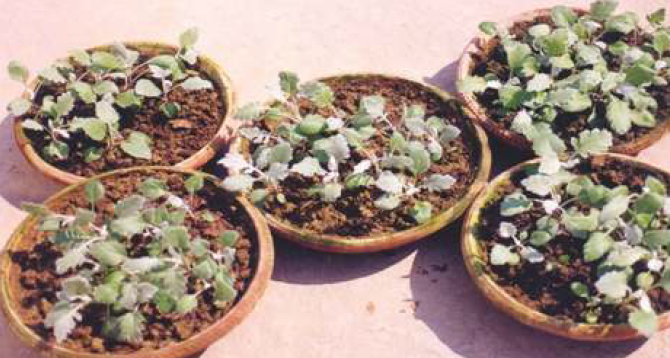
(445, 78)
(300, 265)
(449, 303)
(19, 181)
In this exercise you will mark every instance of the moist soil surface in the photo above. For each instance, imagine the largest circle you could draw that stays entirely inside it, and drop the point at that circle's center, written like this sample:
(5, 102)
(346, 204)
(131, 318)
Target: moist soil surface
(354, 213)
(173, 139)
(493, 59)
(548, 291)
(34, 281)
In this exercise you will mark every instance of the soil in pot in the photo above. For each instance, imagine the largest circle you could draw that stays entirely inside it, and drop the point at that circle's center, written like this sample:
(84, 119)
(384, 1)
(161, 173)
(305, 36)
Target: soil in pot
(354, 213)
(493, 59)
(174, 135)
(547, 286)
(35, 280)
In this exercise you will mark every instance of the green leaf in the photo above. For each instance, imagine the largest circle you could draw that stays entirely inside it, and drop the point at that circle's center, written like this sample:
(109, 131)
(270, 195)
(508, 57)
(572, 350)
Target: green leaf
(420, 157)
(602, 9)
(563, 16)
(319, 93)
(194, 183)
(81, 57)
(623, 23)
(539, 83)
(108, 253)
(75, 286)
(421, 211)
(588, 55)
(575, 221)
(94, 128)
(238, 182)
(189, 37)
(657, 17)
(657, 238)
(288, 81)
(619, 116)
(64, 104)
(515, 203)
(94, 191)
(146, 88)
(106, 61)
(176, 236)
(571, 100)
(557, 43)
(106, 294)
(372, 106)
(73, 258)
(331, 192)
(502, 255)
(649, 203)
(170, 109)
(63, 318)
(597, 246)
(127, 226)
(512, 96)
(32, 125)
(153, 188)
(129, 206)
(187, 304)
(223, 289)
(141, 265)
(17, 71)
(312, 124)
(488, 28)
(196, 83)
(51, 74)
(83, 217)
(613, 284)
(439, 182)
(229, 238)
(308, 167)
(592, 142)
(387, 202)
(614, 208)
(539, 30)
(388, 182)
(471, 84)
(661, 42)
(580, 289)
(640, 74)
(84, 91)
(57, 150)
(517, 53)
(137, 145)
(39, 210)
(645, 322)
(105, 87)
(128, 99)
(19, 106)
(656, 186)
(130, 327)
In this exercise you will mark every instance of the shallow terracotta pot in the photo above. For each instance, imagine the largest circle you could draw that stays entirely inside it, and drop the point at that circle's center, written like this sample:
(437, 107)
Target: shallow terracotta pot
(187, 348)
(475, 262)
(482, 44)
(197, 160)
(386, 241)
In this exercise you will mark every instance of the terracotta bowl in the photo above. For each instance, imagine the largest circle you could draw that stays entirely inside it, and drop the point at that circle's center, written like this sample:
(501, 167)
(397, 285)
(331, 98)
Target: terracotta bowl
(483, 44)
(197, 160)
(475, 261)
(386, 241)
(187, 348)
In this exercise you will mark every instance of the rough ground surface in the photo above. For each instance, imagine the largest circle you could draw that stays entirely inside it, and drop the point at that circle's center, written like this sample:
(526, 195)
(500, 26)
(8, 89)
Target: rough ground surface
(316, 307)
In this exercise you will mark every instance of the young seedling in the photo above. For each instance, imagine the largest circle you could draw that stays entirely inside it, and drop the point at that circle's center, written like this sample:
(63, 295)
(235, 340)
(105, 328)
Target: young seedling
(100, 271)
(97, 87)
(333, 149)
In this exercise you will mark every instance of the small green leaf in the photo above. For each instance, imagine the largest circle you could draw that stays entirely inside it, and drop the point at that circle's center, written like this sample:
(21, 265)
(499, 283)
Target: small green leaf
(238, 182)
(515, 203)
(19, 106)
(84, 92)
(64, 104)
(81, 57)
(108, 253)
(471, 84)
(127, 99)
(170, 109)
(488, 28)
(146, 88)
(176, 236)
(649, 203)
(130, 327)
(196, 83)
(563, 16)
(94, 191)
(106, 61)
(640, 74)
(597, 246)
(63, 318)
(646, 322)
(129, 206)
(517, 53)
(153, 188)
(189, 37)
(656, 186)
(127, 226)
(657, 238)
(187, 304)
(319, 93)
(579, 289)
(312, 124)
(387, 202)
(592, 142)
(105, 87)
(502, 255)
(421, 212)
(623, 23)
(602, 9)
(420, 157)
(32, 125)
(331, 192)
(223, 289)
(51, 74)
(613, 284)
(229, 238)
(94, 128)
(106, 294)
(372, 106)
(657, 17)
(17, 71)
(661, 42)
(288, 81)
(137, 145)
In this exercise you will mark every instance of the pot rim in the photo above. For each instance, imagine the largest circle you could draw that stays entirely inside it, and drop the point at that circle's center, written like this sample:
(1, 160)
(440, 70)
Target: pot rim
(517, 140)
(496, 295)
(211, 67)
(195, 344)
(386, 241)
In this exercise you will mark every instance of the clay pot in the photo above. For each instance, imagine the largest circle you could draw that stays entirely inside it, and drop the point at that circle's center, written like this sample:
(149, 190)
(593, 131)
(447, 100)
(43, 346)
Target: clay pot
(483, 44)
(475, 262)
(386, 241)
(197, 160)
(196, 344)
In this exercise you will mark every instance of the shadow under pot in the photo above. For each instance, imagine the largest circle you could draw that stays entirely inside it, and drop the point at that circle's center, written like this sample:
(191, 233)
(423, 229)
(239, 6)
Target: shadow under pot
(156, 109)
(586, 260)
(136, 263)
(570, 87)
(366, 162)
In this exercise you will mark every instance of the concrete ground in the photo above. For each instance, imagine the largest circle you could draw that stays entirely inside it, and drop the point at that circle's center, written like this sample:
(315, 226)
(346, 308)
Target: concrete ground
(413, 302)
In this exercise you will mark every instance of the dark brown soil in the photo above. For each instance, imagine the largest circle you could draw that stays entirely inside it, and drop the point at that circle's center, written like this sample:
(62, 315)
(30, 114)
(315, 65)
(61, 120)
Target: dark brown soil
(173, 139)
(566, 125)
(35, 282)
(548, 291)
(354, 214)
